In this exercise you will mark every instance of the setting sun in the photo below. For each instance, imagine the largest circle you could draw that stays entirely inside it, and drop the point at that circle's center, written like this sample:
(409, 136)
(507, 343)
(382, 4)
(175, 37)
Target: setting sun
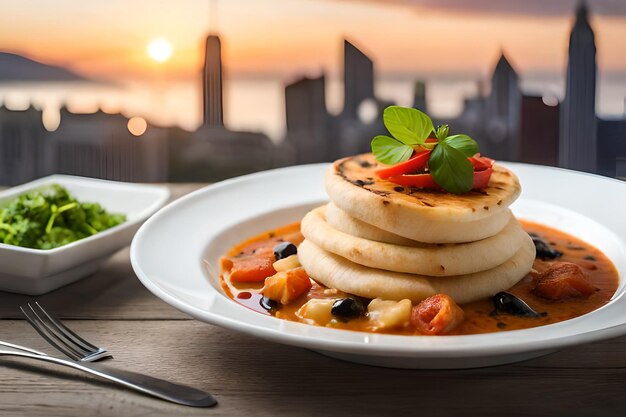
(160, 50)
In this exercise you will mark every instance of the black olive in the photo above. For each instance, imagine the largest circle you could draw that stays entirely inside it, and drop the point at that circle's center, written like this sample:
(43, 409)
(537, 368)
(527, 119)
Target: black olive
(507, 303)
(268, 304)
(347, 308)
(544, 250)
(284, 250)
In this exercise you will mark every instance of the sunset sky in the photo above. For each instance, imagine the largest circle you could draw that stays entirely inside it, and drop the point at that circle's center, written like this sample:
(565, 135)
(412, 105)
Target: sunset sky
(287, 37)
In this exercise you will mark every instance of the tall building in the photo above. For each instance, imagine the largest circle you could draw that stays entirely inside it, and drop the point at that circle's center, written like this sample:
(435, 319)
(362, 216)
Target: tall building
(212, 83)
(358, 79)
(419, 96)
(24, 148)
(577, 142)
(539, 132)
(502, 113)
(100, 145)
(308, 120)
(612, 147)
(494, 121)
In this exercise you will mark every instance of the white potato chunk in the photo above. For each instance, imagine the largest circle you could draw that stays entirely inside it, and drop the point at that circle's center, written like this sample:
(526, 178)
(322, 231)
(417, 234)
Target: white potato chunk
(285, 264)
(316, 311)
(386, 314)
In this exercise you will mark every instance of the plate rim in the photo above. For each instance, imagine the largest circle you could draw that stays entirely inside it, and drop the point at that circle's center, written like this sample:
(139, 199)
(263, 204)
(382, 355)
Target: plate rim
(372, 349)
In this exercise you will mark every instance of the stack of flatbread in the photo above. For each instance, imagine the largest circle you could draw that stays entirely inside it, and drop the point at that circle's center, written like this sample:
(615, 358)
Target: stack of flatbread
(376, 239)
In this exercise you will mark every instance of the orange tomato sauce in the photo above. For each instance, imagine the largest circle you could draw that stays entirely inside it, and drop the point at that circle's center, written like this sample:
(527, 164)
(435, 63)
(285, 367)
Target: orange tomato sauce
(480, 316)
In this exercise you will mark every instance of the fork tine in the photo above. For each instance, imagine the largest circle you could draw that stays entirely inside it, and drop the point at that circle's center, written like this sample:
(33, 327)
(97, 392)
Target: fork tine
(67, 332)
(59, 335)
(44, 322)
(41, 330)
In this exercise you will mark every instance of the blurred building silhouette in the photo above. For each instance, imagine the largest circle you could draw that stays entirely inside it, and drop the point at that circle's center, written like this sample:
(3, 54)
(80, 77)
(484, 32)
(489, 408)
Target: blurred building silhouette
(495, 120)
(577, 144)
(100, 145)
(212, 107)
(612, 147)
(508, 124)
(96, 145)
(539, 132)
(317, 136)
(503, 113)
(308, 121)
(419, 97)
(214, 152)
(358, 79)
(24, 148)
(511, 125)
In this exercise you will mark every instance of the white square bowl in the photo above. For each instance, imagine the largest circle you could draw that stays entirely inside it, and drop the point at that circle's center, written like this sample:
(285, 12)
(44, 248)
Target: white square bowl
(37, 271)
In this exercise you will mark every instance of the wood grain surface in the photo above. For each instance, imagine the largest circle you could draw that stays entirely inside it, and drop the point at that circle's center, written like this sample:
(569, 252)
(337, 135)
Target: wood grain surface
(252, 377)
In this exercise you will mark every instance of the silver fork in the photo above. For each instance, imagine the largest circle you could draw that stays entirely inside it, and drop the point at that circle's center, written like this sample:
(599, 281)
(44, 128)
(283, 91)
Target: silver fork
(61, 337)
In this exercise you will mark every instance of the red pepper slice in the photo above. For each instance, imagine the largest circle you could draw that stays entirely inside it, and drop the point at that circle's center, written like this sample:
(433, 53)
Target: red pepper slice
(416, 163)
(481, 180)
(416, 180)
(481, 162)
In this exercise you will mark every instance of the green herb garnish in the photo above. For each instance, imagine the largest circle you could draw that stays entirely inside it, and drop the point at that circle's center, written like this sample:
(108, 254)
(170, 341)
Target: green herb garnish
(50, 218)
(410, 128)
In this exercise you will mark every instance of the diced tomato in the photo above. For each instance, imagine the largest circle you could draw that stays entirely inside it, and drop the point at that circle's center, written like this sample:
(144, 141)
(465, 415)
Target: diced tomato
(435, 315)
(416, 163)
(562, 280)
(251, 268)
(286, 286)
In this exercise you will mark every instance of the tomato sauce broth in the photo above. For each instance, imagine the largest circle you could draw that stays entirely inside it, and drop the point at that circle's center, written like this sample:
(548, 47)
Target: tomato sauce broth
(480, 316)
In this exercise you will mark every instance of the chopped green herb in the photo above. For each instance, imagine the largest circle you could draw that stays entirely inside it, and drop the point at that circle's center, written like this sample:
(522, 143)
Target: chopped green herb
(49, 218)
(410, 128)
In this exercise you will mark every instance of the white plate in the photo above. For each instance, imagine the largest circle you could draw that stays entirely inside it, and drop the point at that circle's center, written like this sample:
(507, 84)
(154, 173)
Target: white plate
(168, 256)
(36, 271)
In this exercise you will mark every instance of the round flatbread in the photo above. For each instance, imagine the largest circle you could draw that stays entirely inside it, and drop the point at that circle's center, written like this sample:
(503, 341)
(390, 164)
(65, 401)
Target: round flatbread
(434, 231)
(426, 259)
(333, 271)
(353, 186)
(342, 221)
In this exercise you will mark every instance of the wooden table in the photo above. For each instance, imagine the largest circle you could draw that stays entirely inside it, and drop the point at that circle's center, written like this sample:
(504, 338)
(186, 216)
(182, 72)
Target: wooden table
(253, 377)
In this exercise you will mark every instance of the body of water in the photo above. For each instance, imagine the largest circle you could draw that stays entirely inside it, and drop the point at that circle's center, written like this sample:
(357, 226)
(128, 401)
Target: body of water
(258, 104)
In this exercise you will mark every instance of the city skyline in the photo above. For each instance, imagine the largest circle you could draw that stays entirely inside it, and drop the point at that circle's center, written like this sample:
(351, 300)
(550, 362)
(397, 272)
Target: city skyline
(508, 121)
(445, 32)
(253, 97)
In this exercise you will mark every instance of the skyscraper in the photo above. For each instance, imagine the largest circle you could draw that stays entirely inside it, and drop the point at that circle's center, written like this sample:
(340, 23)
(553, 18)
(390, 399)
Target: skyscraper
(308, 120)
(419, 96)
(503, 109)
(212, 83)
(578, 141)
(358, 79)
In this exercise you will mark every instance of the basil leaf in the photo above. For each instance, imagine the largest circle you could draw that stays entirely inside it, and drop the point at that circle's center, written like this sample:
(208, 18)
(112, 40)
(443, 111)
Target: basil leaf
(464, 144)
(409, 126)
(442, 132)
(389, 150)
(451, 169)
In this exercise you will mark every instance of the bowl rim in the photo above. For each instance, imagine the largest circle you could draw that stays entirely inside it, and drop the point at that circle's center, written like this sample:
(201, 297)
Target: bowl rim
(161, 192)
